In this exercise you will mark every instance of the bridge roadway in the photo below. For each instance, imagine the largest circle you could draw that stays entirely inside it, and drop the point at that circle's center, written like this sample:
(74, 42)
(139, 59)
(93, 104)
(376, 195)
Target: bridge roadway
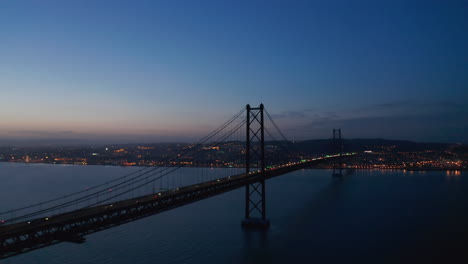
(18, 238)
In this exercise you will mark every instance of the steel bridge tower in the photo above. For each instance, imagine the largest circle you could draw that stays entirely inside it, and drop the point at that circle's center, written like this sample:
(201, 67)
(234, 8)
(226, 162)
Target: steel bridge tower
(338, 148)
(255, 202)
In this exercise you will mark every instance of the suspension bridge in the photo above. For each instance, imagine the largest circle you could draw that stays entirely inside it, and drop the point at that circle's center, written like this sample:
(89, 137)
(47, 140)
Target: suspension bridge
(257, 144)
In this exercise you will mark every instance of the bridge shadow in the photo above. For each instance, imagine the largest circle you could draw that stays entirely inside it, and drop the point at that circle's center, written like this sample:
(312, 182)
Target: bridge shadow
(256, 246)
(348, 221)
(323, 201)
(276, 244)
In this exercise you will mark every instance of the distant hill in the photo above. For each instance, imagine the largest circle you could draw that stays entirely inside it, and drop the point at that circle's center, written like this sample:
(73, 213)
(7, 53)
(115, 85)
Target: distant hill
(377, 144)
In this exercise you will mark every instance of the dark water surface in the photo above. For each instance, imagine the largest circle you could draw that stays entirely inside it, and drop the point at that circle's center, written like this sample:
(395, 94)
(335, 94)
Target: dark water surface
(366, 217)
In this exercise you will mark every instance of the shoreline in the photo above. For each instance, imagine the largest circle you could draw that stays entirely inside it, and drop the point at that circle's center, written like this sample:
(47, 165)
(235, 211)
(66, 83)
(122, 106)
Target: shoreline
(224, 167)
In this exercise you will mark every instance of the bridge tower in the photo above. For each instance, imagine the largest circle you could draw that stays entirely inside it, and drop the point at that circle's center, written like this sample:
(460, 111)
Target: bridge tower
(255, 202)
(338, 149)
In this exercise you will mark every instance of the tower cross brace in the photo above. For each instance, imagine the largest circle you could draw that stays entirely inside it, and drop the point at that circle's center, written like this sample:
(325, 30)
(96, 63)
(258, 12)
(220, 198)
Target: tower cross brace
(255, 200)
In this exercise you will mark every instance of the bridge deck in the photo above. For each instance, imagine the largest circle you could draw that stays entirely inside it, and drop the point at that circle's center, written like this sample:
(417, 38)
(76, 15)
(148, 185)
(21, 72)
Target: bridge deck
(21, 237)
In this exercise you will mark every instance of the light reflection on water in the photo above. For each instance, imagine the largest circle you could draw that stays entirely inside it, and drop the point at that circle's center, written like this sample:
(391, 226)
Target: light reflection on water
(455, 173)
(366, 217)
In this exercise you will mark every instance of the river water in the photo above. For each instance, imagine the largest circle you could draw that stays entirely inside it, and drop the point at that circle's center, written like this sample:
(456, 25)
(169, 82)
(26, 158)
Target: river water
(365, 217)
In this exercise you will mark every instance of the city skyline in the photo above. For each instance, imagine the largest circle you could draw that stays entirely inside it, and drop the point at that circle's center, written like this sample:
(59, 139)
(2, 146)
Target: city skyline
(120, 72)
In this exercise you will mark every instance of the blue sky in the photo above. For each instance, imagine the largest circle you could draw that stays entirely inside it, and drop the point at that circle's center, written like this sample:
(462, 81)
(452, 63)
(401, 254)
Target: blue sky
(172, 70)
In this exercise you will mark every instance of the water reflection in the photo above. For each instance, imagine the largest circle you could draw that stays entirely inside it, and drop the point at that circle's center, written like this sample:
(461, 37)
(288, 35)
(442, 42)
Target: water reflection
(256, 244)
(452, 174)
(359, 219)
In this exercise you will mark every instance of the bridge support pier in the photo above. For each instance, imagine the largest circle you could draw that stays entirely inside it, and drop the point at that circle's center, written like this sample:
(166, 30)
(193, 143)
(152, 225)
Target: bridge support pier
(338, 146)
(256, 223)
(255, 200)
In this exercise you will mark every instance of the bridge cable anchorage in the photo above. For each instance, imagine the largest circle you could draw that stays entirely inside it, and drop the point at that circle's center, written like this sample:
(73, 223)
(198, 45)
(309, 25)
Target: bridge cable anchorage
(105, 190)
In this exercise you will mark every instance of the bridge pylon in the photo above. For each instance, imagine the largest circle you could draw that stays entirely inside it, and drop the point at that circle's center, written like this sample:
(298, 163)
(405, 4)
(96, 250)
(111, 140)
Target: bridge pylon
(338, 149)
(255, 201)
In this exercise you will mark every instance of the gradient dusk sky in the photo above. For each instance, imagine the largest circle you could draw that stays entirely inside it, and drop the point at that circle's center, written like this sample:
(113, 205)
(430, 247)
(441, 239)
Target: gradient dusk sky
(148, 71)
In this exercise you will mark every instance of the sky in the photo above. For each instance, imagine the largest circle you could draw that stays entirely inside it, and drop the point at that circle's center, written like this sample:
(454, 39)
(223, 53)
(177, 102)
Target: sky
(149, 71)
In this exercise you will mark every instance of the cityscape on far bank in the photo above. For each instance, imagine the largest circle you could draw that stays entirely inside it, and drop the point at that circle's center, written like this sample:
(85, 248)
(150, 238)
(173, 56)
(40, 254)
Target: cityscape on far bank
(373, 154)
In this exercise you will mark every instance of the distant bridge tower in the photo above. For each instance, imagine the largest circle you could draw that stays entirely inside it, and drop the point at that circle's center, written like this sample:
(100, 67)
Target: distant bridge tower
(255, 207)
(337, 149)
